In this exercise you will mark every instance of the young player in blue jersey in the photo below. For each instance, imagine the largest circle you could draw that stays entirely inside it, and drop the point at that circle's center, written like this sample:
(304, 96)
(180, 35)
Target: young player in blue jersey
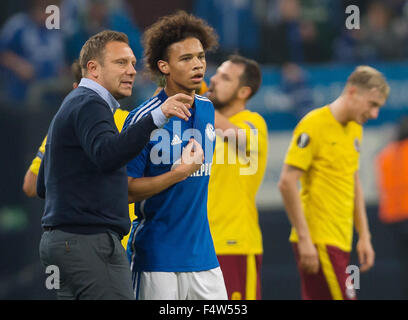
(170, 245)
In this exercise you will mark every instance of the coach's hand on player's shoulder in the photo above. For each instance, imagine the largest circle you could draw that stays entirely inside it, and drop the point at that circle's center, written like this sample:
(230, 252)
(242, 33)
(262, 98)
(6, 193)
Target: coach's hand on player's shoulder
(178, 106)
(366, 254)
(192, 158)
(308, 256)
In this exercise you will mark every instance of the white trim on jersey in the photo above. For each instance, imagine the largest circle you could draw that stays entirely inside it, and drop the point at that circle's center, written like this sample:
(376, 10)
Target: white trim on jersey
(150, 109)
(133, 242)
(142, 205)
(202, 98)
(136, 284)
(141, 112)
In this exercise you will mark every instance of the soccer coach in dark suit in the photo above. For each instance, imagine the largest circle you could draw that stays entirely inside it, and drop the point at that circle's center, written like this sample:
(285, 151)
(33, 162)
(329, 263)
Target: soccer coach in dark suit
(83, 178)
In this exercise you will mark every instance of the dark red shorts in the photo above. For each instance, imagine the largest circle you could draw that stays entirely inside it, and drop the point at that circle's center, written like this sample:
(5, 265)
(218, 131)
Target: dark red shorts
(242, 276)
(330, 282)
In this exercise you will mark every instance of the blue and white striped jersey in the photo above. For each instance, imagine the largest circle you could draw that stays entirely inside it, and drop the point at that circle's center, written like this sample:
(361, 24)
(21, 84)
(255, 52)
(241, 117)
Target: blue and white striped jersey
(172, 232)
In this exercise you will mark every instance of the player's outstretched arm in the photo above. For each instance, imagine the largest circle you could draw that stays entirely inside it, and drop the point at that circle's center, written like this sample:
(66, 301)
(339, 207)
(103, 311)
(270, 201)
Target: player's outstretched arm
(30, 184)
(365, 251)
(230, 130)
(222, 122)
(288, 187)
(142, 188)
(30, 178)
(20, 66)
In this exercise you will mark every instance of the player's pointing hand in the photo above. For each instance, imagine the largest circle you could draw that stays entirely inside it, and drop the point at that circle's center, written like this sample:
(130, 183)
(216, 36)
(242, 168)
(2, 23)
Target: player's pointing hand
(178, 106)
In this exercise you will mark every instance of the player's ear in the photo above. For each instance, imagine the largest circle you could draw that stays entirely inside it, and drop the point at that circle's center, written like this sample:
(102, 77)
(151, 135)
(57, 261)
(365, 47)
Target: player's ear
(163, 67)
(244, 92)
(351, 90)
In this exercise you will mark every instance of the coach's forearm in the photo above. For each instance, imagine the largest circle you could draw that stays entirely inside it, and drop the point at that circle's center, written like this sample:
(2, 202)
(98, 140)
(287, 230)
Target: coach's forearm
(108, 149)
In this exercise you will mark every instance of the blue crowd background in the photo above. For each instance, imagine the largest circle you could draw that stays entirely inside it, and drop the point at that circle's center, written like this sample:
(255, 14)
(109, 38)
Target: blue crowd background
(306, 53)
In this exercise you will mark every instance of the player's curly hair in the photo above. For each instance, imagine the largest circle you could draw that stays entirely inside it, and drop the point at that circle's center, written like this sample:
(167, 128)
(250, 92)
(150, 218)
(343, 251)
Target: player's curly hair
(171, 29)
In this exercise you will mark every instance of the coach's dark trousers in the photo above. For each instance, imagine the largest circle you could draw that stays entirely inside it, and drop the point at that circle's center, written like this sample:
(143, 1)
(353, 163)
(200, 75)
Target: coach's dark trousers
(90, 266)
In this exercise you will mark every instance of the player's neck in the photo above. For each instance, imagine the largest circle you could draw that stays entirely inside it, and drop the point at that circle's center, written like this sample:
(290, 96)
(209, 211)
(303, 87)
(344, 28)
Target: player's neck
(171, 89)
(338, 109)
(232, 109)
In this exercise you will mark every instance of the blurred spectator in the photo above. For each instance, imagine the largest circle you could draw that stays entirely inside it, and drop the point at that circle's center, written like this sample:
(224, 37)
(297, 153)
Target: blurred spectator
(292, 39)
(88, 17)
(382, 35)
(282, 41)
(295, 86)
(345, 47)
(29, 51)
(400, 25)
(379, 39)
(325, 13)
(327, 17)
(148, 12)
(396, 6)
(8, 8)
(392, 174)
(314, 49)
(267, 12)
(82, 19)
(235, 23)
